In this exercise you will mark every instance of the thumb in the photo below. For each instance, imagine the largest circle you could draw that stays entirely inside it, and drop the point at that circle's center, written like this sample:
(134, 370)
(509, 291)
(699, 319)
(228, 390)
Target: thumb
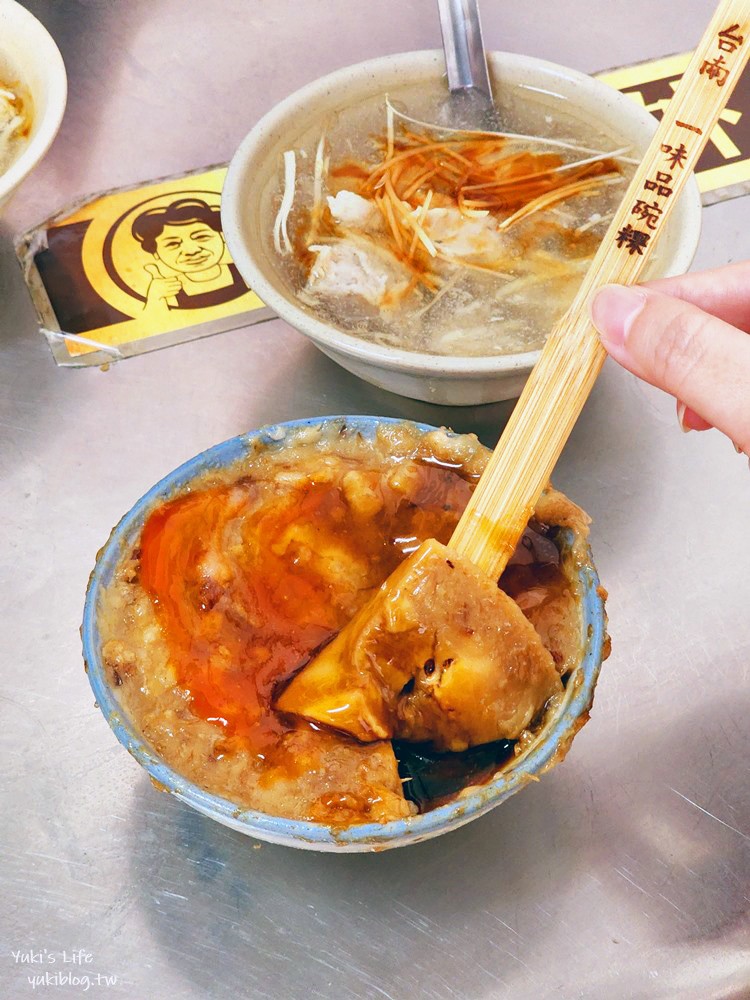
(153, 270)
(699, 359)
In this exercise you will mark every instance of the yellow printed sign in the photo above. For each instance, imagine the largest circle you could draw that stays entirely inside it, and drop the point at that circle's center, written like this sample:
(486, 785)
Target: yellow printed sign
(143, 263)
(146, 267)
(724, 165)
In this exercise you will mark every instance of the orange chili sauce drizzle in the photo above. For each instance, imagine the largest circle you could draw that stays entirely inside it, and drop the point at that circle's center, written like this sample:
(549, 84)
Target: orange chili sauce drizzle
(235, 632)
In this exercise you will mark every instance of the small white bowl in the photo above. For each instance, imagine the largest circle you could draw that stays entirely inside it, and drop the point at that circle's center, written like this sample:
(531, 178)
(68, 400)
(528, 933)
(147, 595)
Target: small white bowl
(29, 56)
(452, 381)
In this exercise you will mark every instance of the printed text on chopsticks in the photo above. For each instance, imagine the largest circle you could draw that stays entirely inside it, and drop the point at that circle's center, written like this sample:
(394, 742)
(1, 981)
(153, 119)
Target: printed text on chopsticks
(649, 212)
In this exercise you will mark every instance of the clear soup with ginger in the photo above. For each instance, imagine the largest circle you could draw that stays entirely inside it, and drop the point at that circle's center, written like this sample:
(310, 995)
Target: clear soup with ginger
(412, 235)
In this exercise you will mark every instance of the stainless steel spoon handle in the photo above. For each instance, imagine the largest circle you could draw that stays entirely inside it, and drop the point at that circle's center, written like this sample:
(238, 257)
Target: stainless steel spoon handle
(464, 49)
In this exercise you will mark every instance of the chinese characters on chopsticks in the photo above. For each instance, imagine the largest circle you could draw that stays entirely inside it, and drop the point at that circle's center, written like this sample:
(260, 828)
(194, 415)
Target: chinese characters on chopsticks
(648, 211)
(717, 69)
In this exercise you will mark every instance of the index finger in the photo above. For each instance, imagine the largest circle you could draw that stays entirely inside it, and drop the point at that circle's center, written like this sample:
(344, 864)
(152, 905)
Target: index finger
(698, 358)
(723, 292)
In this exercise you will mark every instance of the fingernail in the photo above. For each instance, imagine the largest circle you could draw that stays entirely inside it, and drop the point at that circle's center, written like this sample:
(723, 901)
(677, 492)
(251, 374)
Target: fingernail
(681, 417)
(689, 420)
(613, 309)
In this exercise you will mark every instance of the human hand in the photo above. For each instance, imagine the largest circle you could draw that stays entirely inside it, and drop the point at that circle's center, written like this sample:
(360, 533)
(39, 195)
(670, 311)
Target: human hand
(161, 288)
(689, 336)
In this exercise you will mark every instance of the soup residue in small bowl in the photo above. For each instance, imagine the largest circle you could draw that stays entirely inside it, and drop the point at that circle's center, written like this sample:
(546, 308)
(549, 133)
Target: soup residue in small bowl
(15, 123)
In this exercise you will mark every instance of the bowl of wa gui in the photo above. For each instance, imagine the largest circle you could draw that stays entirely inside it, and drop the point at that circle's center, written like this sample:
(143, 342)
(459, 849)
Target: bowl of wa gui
(546, 749)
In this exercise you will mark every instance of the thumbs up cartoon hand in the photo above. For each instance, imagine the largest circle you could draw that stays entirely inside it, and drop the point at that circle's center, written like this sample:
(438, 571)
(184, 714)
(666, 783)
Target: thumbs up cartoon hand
(160, 289)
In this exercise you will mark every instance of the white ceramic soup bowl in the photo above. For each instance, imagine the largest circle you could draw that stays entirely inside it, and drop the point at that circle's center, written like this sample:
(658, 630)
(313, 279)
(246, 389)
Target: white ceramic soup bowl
(252, 181)
(29, 57)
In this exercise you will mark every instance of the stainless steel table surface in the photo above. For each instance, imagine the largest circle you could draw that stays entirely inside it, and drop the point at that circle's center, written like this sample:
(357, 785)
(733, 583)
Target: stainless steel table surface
(624, 873)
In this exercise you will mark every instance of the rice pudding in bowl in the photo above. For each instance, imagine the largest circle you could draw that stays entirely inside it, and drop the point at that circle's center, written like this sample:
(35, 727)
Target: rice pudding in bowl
(220, 583)
(428, 262)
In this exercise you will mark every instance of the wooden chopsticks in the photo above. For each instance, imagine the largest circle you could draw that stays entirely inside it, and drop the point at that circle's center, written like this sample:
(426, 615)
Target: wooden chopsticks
(572, 357)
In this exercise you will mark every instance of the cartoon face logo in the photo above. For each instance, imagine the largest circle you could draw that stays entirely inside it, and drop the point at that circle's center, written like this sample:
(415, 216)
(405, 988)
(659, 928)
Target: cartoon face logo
(190, 249)
(185, 240)
(170, 254)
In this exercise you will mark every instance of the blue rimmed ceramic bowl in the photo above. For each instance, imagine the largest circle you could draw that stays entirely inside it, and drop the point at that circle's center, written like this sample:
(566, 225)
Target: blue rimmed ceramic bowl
(543, 754)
